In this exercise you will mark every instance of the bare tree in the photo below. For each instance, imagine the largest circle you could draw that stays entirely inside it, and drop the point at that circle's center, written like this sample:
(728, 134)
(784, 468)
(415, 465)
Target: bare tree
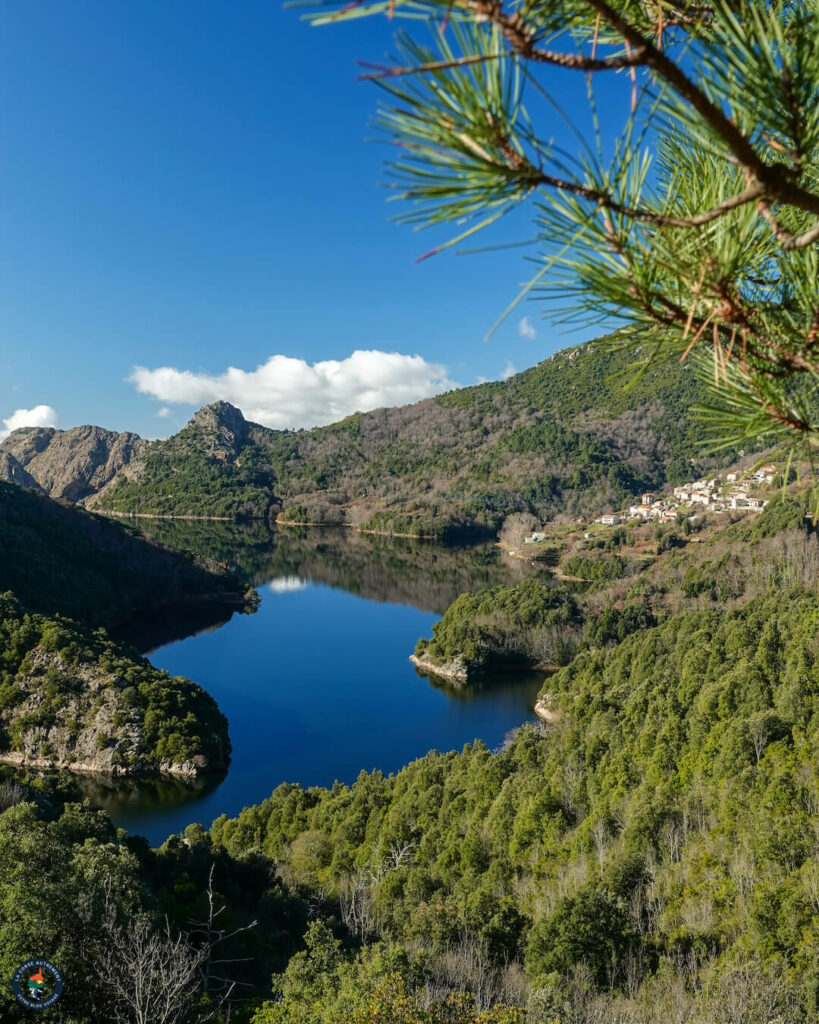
(205, 939)
(515, 528)
(357, 903)
(145, 975)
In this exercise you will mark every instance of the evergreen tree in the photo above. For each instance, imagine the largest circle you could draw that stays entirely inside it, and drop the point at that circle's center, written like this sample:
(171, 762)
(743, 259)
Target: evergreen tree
(705, 220)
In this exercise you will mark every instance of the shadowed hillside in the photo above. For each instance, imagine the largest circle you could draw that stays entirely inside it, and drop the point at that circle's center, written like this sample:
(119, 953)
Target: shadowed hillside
(60, 559)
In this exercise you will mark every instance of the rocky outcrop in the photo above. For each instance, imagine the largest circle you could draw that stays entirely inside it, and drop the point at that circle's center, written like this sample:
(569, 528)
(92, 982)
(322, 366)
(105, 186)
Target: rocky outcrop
(220, 429)
(544, 709)
(83, 463)
(454, 670)
(75, 700)
(95, 731)
(73, 464)
(11, 470)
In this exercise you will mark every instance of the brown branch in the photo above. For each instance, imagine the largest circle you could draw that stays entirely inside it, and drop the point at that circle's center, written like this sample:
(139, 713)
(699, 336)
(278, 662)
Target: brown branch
(772, 176)
(574, 61)
(784, 237)
(765, 349)
(522, 42)
(647, 216)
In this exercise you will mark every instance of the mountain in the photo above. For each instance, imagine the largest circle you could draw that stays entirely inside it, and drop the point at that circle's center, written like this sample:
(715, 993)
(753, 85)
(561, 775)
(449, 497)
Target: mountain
(72, 464)
(566, 436)
(57, 558)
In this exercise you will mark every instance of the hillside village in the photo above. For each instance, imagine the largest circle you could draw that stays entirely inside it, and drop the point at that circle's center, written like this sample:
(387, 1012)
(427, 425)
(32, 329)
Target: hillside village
(728, 492)
(732, 491)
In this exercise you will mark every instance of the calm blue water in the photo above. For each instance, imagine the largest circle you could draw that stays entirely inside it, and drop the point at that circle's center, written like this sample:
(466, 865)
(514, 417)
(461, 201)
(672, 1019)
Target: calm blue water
(316, 686)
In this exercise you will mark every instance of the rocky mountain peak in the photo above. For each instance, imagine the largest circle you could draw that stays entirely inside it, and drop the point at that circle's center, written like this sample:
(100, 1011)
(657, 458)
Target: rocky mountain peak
(223, 426)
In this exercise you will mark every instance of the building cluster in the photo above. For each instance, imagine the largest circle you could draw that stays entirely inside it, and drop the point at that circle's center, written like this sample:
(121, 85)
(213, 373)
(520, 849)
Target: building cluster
(718, 494)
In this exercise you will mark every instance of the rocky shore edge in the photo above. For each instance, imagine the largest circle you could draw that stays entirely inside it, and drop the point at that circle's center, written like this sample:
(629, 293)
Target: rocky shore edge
(454, 670)
(186, 769)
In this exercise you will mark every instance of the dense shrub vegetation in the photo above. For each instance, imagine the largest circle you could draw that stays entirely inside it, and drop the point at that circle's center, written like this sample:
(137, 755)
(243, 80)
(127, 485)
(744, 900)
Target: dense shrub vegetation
(522, 623)
(96, 901)
(48, 666)
(601, 597)
(660, 838)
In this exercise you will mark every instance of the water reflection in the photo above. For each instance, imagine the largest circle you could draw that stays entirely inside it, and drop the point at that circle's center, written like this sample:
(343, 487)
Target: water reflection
(398, 570)
(131, 802)
(151, 796)
(149, 630)
(507, 684)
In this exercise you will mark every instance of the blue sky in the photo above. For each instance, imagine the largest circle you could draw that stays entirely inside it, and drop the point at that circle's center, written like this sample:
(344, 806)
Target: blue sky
(190, 185)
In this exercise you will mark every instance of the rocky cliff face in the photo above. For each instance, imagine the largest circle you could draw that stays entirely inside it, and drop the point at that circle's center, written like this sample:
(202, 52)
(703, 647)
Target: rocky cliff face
(81, 463)
(94, 732)
(73, 464)
(11, 470)
(220, 430)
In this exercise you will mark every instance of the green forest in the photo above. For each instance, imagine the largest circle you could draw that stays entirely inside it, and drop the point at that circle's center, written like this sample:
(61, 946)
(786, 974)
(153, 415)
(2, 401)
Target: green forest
(648, 855)
(657, 844)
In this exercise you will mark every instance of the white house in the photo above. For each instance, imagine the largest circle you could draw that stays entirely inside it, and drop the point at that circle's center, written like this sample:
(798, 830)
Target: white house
(610, 519)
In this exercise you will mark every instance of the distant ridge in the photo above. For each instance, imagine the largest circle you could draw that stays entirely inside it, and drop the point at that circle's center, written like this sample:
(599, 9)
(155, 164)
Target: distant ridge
(561, 438)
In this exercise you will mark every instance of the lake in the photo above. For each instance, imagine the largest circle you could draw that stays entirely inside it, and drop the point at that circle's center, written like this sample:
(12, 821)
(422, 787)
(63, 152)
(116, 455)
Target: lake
(316, 684)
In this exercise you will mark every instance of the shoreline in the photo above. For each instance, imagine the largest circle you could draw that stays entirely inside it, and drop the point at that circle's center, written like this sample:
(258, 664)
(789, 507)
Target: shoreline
(261, 519)
(16, 759)
(157, 515)
(453, 670)
(457, 672)
(544, 711)
(357, 529)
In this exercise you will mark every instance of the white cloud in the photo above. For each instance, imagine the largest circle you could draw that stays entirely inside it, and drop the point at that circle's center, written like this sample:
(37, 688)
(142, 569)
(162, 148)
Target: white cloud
(287, 584)
(164, 412)
(287, 392)
(508, 371)
(526, 329)
(39, 416)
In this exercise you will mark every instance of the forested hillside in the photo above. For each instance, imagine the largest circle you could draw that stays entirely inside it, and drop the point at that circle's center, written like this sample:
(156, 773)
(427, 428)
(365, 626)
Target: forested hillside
(546, 620)
(58, 558)
(577, 432)
(653, 852)
(72, 698)
(563, 436)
